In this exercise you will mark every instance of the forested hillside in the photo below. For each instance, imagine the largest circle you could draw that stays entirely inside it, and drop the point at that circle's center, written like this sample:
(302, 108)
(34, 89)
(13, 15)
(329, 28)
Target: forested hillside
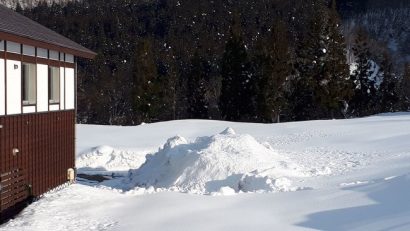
(261, 61)
(354, 7)
(385, 21)
(29, 3)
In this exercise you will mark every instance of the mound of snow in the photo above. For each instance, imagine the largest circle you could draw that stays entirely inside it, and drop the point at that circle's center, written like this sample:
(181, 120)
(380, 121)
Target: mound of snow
(214, 164)
(224, 191)
(106, 158)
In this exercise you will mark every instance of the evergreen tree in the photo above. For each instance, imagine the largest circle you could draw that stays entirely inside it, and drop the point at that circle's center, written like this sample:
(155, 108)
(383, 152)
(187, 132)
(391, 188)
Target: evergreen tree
(19, 9)
(171, 90)
(197, 88)
(145, 83)
(274, 70)
(336, 88)
(310, 61)
(322, 88)
(388, 92)
(108, 101)
(237, 93)
(212, 96)
(362, 102)
(405, 88)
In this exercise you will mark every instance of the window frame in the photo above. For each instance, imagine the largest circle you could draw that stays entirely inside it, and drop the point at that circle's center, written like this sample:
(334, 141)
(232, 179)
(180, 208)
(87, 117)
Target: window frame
(50, 100)
(23, 83)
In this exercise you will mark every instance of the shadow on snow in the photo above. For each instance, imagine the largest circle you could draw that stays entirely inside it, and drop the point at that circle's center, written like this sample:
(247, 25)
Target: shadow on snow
(392, 203)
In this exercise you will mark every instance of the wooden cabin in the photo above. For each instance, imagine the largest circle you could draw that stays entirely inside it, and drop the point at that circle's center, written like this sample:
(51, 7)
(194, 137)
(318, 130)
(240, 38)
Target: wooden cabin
(37, 109)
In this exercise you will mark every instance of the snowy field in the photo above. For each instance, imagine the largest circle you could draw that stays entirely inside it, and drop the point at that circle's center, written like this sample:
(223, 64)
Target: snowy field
(211, 175)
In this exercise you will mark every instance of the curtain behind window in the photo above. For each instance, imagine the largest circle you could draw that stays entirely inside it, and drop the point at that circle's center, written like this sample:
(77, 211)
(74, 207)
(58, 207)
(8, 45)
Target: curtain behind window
(54, 85)
(29, 83)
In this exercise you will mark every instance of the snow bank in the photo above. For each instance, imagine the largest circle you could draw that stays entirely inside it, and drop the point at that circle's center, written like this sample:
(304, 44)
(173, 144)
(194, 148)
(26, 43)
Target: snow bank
(221, 163)
(106, 158)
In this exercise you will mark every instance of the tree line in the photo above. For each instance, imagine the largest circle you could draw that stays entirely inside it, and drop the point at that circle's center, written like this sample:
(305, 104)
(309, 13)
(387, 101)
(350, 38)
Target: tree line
(242, 60)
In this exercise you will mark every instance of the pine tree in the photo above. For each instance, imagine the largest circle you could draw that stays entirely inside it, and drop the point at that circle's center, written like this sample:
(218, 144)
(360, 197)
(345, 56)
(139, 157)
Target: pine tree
(274, 72)
(237, 93)
(197, 88)
(388, 92)
(405, 88)
(310, 61)
(322, 88)
(365, 90)
(145, 83)
(19, 9)
(335, 86)
(171, 90)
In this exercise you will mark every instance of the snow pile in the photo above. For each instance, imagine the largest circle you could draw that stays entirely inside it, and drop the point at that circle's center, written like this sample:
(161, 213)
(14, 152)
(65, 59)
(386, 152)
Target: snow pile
(219, 164)
(106, 158)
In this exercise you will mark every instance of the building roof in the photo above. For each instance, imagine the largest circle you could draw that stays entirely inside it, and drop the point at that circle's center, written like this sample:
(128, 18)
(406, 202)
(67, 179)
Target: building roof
(18, 28)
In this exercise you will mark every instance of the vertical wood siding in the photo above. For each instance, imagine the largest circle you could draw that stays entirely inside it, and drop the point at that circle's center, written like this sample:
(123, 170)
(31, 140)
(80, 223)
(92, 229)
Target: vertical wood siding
(46, 144)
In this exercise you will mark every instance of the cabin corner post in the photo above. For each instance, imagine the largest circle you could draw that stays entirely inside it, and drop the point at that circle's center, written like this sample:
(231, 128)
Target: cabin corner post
(75, 107)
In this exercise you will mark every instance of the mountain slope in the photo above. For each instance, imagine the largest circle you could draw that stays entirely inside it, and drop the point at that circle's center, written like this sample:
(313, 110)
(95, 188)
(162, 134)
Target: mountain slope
(387, 25)
(29, 3)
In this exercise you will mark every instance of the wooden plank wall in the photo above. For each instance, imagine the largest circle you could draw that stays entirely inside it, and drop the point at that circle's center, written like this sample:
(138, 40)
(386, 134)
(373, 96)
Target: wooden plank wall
(46, 144)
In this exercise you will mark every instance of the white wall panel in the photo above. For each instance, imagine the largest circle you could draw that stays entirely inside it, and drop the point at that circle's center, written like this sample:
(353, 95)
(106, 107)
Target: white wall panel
(13, 47)
(13, 87)
(29, 109)
(2, 89)
(42, 87)
(69, 88)
(54, 107)
(29, 50)
(62, 88)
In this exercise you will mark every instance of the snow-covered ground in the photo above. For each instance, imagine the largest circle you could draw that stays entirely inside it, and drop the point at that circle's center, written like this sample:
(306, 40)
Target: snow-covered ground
(212, 175)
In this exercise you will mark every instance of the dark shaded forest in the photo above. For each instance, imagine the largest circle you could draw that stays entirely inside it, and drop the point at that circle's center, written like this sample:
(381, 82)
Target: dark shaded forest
(243, 60)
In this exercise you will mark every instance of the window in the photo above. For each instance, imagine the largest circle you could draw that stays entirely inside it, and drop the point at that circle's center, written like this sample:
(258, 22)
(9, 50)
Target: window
(29, 83)
(54, 85)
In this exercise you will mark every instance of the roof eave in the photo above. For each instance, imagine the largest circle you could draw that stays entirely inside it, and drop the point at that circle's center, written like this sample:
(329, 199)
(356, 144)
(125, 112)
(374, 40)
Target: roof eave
(84, 53)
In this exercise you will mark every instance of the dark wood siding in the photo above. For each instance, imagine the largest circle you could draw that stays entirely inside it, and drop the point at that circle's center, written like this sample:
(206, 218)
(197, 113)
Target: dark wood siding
(46, 144)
